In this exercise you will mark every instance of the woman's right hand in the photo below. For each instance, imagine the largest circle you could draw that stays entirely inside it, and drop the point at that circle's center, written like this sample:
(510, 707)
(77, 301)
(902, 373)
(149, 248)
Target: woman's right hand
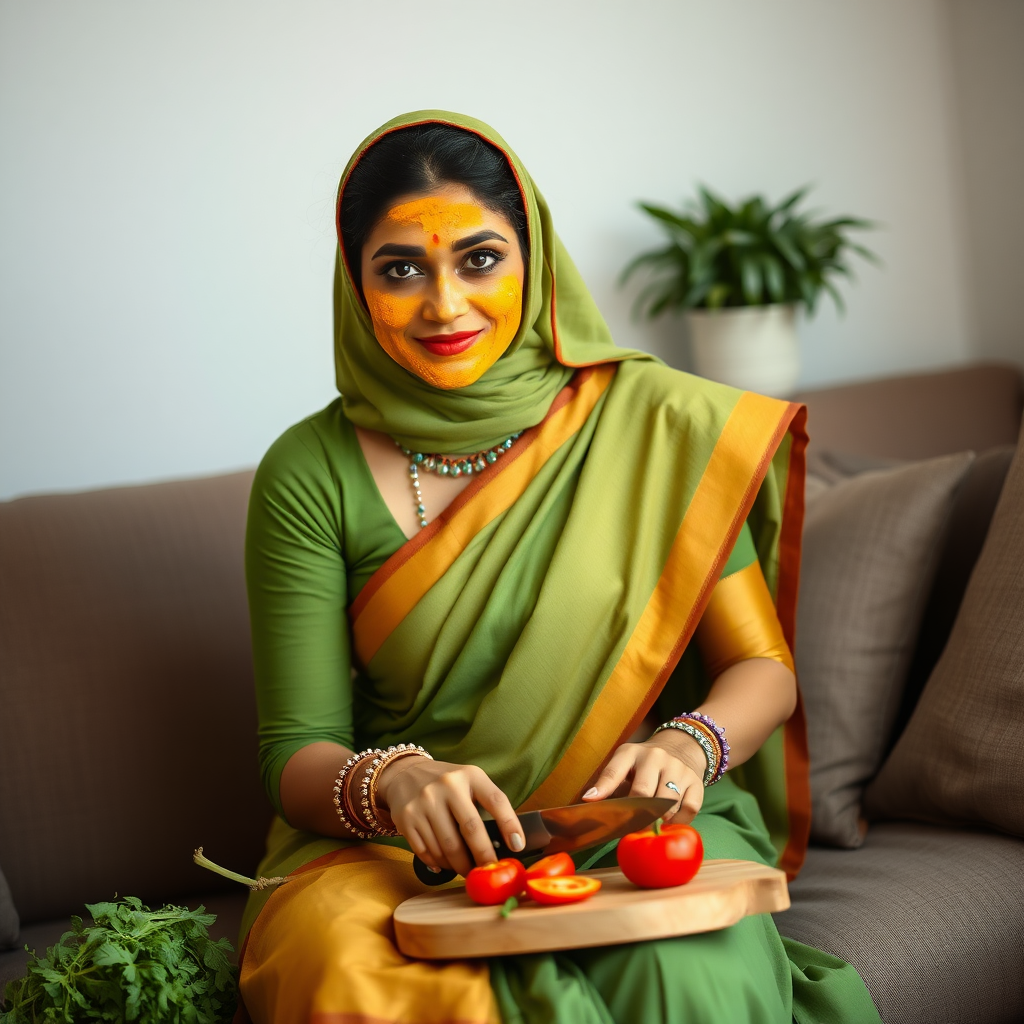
(434, 806)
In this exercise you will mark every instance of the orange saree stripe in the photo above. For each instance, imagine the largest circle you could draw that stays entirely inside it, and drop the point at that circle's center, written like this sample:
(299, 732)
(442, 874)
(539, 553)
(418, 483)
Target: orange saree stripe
(707, 533)
(395, 589)
(798, 778)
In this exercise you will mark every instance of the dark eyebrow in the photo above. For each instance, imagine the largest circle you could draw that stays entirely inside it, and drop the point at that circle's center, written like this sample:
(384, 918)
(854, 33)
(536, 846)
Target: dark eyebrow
(399, 250)
(480, 236)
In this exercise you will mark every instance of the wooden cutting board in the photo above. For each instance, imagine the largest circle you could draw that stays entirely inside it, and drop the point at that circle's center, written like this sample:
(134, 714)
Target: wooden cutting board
(447, 925)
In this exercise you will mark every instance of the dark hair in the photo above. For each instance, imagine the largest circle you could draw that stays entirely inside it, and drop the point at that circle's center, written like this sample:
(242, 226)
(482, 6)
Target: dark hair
(419, 159)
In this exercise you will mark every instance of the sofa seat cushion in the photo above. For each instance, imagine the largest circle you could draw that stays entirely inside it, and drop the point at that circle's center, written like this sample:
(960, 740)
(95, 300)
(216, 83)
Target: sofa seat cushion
(228, 908)
(932, 918)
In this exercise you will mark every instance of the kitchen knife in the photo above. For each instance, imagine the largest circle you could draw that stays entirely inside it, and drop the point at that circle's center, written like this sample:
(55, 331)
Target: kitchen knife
(566, 829)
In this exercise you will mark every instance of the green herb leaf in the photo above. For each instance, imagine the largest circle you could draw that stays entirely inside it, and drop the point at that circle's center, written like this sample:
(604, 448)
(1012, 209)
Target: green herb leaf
(130, 964)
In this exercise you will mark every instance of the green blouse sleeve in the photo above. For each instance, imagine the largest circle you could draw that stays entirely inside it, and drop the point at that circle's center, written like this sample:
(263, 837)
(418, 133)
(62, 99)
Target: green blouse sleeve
(743, 553)
(297, 584)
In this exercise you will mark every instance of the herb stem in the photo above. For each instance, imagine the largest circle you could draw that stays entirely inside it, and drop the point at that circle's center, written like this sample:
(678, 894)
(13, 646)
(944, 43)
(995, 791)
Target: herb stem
(254, 884)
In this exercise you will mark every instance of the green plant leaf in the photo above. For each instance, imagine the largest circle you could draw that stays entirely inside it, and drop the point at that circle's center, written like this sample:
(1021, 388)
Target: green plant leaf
(836, 297)
(791, 200)
(750, 276)
(678, 224)
(774, 277)
(871, 257)
(654, 258)
(718, 295)
(745, 254)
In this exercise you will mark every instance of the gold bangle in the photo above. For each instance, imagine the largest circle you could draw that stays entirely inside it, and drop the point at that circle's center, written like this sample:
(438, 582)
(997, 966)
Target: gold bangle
(340, 803)
(351, 808)
(391, 755)
(368, 788)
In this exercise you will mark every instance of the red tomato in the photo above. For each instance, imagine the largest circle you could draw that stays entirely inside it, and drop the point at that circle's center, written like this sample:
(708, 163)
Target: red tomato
(562, 888)
(551, 867)
(661, 856)
(494, 883)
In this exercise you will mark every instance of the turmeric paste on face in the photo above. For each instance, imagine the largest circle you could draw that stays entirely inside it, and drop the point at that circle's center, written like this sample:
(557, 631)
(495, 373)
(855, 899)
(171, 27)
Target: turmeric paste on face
(445, 292)
(436, 217)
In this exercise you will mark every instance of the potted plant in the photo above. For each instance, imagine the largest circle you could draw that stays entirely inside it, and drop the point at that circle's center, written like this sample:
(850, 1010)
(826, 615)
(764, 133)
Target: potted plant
(739, 273)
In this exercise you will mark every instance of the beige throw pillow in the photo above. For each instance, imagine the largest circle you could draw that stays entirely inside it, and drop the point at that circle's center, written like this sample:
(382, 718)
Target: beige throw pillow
(870, 549)
(961, 758)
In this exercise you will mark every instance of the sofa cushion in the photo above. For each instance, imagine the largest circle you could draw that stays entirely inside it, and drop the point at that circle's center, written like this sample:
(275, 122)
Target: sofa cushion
(968, 527)
(932, 918)
(965, 534)
(961, 757)
(870, 550)
(919, 416)
(126, 694)
(8, 916)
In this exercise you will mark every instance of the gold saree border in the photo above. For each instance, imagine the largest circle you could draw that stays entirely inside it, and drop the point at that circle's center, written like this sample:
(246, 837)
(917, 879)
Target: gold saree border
(730, 480)
(398, 585)
(740, 622)
(346, 855)
(362, 1018)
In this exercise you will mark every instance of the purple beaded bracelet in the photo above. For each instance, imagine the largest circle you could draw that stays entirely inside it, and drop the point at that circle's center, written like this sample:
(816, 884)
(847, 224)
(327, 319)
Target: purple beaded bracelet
(719, 732)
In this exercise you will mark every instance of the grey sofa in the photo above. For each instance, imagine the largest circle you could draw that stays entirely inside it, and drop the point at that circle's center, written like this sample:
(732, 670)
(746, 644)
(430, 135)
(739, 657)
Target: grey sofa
(127, 728)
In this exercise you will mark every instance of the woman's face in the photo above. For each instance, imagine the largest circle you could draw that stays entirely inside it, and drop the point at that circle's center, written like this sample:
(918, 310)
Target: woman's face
(443, 280)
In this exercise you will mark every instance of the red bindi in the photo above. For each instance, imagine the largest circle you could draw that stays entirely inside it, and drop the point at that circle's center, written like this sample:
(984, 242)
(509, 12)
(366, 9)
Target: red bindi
(436, 240)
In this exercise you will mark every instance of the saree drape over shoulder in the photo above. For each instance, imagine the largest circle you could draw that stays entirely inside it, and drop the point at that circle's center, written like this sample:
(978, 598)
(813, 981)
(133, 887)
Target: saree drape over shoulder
(528, 630)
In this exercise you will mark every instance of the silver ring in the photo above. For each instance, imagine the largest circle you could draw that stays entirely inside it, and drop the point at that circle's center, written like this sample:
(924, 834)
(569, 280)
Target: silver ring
(673, 787)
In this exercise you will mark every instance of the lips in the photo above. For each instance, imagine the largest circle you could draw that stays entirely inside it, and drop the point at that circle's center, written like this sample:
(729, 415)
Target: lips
(449, 344)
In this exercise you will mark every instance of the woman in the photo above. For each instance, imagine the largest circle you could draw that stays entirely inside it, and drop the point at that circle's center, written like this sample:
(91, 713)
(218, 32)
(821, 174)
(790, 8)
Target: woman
(496, 548)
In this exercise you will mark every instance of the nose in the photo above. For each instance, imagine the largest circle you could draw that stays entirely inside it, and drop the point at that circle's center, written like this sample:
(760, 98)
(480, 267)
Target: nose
(446, 302)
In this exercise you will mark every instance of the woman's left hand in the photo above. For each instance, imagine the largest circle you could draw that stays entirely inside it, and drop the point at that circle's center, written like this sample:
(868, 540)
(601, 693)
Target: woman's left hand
(642, 769)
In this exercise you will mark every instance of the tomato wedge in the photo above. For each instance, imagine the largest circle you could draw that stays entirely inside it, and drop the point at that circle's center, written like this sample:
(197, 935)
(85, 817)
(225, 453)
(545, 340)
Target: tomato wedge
(551, 867)
(494, 883)
(562, 888)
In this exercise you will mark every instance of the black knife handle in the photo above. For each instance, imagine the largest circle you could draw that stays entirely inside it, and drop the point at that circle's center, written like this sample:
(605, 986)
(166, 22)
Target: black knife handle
(428, 877)
(501, 851)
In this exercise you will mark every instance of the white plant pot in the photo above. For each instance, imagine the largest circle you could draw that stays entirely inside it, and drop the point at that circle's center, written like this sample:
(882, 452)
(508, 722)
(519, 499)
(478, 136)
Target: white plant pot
(754, 348)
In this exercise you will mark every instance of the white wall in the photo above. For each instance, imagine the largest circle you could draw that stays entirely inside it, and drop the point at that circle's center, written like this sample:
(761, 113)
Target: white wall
(167, 175)
(986, 45)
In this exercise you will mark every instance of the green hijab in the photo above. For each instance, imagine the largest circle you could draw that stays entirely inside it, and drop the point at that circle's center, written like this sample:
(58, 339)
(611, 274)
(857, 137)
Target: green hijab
(561, 329)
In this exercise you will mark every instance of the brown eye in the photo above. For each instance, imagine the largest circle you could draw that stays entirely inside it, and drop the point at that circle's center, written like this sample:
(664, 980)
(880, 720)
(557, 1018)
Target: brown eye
(402, 271)
(482, 259)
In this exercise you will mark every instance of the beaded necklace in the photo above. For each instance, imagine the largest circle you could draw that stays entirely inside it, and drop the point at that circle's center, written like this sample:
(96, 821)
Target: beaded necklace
(446, 465)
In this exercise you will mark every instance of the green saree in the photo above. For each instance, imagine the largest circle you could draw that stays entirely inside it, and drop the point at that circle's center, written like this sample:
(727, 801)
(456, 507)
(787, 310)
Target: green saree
(528, 630)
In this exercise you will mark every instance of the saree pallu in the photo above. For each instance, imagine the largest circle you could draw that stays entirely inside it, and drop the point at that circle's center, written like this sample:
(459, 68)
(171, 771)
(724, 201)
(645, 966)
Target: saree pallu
(529, 630)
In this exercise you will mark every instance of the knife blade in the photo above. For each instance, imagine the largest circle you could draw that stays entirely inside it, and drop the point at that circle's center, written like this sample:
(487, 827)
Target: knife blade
(566, 829)
(581, 825)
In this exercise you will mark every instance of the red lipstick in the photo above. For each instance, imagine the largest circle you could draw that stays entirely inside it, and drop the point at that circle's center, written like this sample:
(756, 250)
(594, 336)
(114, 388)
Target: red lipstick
(449, 344)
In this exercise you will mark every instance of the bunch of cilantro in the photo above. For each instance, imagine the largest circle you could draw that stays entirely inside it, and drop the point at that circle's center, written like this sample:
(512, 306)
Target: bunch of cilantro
(131, 964)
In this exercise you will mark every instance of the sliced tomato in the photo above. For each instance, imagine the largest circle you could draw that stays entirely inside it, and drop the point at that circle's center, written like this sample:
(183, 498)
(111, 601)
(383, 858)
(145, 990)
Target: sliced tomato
(551, 867)
(562, 888)
(494, 883)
